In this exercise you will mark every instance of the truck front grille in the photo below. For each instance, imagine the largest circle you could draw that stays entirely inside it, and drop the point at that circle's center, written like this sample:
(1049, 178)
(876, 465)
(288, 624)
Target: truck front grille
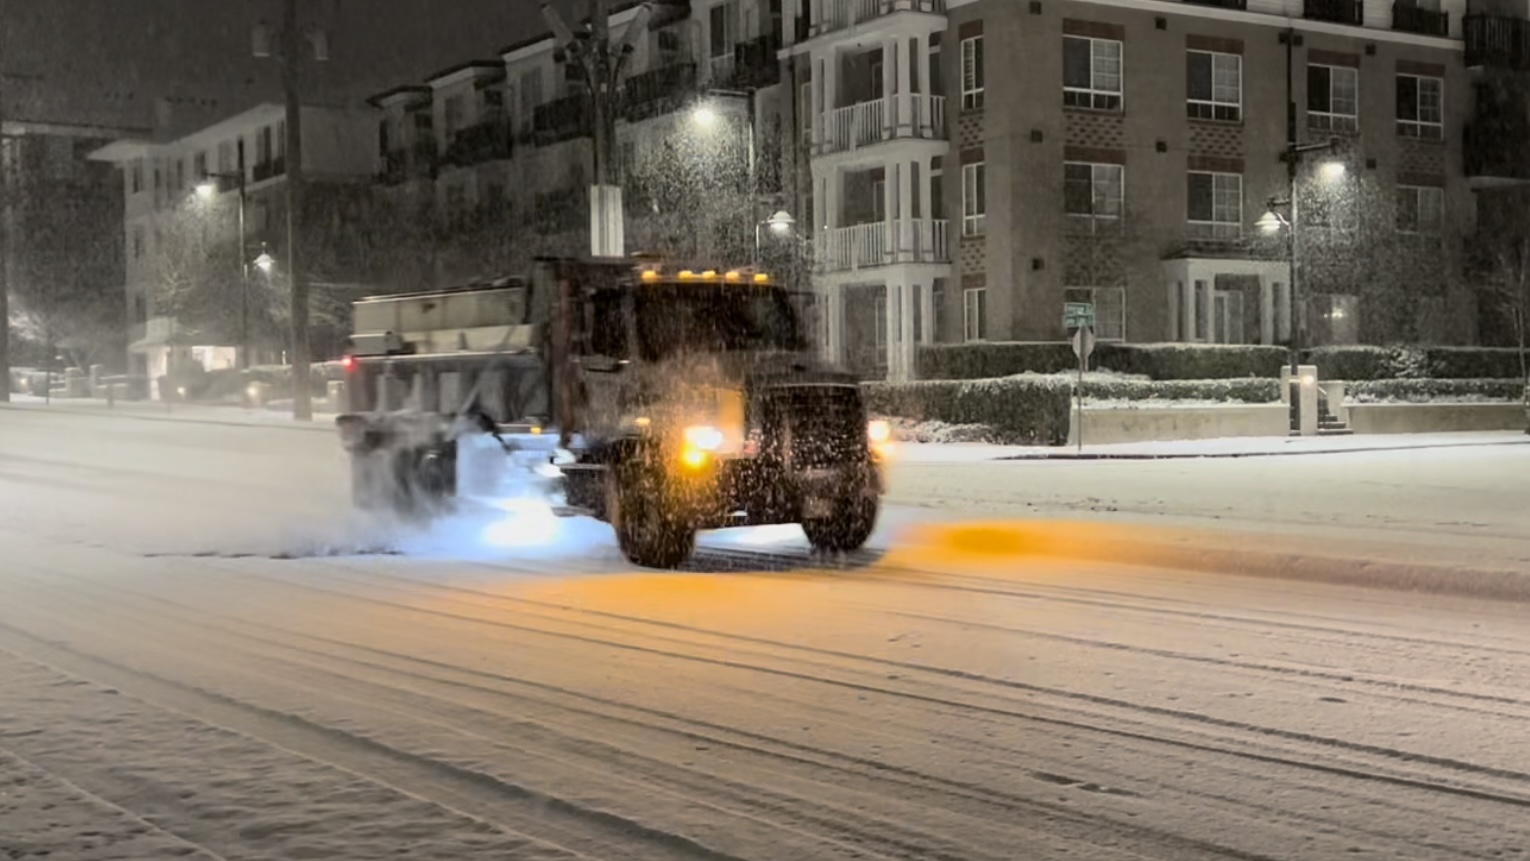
(815, 426)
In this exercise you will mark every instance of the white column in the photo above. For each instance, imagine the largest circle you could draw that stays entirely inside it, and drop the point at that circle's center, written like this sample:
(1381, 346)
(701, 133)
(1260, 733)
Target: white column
(889, 88)
(905, 229)
(907, 121)
(820, 93)
(890, 201)
(908, 338)
(927, 314)
(1266, 311)
(893, 299)
(1187, 307)
(834, 313)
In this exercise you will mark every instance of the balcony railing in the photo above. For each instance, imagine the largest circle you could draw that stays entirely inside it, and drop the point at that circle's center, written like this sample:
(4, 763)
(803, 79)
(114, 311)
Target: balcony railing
(563, 119)
(908, 115)
(1495, 150)
(659, 91)
(884, 243)
(1411, 18)
(1335, 11)
(487, 141)
(269, 169)
(843, 14)
(752, 65)
(1220, 4)
(1495, 41)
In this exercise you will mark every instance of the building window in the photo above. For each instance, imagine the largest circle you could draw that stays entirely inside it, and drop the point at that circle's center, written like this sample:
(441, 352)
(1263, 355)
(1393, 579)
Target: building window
(199, 167)
(1216, 205)
(938, 194)
(974, 199)
(975, 313)
(1214, 85)
(137, 176)
(452, 115)
(138, 239)
(1093, 192)
(180, 174)
(531, 95)
(1333, 98)
(1420, 107)
(1091, 73)
(281, 139)
(1109, 313)
(972, 74)
(263, 146)
(1420, 209)
(806, 111)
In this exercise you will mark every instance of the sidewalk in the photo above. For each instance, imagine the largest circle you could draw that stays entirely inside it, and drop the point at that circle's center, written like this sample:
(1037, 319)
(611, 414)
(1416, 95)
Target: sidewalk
(1238, 447)
(153, 411)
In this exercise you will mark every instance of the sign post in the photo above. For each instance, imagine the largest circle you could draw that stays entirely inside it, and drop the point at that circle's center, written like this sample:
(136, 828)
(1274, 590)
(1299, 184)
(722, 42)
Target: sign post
(1079, 316)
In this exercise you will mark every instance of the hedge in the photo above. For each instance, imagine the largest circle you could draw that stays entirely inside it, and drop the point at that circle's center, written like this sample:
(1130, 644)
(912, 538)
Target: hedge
(1157, 361)
(1022, 411)
(1411, 362)
(1248, 391)
(1420, 391)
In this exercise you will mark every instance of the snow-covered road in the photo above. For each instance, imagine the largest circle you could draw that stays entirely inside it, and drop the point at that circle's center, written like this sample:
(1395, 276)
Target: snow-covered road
(195, 662)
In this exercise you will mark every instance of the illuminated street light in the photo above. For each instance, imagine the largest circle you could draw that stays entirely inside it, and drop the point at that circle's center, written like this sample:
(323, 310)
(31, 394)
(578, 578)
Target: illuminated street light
(704, 116)
(1270, 223)
(781, 223)
(1333, 171)
(264, 262)
(206, 189)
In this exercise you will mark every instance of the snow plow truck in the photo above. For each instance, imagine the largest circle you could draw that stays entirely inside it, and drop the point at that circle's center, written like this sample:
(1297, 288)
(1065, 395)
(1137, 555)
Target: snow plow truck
(663, 401)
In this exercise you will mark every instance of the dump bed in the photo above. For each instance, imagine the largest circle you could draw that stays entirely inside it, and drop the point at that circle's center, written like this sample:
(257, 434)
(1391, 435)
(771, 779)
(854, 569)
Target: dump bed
(478, 319)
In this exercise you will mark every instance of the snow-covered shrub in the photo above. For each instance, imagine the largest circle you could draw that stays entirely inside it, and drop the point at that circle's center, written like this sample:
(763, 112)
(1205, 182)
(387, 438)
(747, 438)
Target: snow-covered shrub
(1474, 363)
(1425, 391)
(1157, 361)
(1021, 410)
(993, 359)
(1350, 363)
(1247, 391)
(1192, 361)
(1408, 363)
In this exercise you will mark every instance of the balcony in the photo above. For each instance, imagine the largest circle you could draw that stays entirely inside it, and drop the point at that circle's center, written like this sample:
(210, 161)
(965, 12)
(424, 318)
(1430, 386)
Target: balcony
(1495, 151)
(270, 169)
(751, 65)
(907, 116)
(562, 120)
(843, 14)
(1221, 4)
(1408, 17)
(884, 243)
(487, 141)
(658, 91)
(1499, 42)
(1335, 11)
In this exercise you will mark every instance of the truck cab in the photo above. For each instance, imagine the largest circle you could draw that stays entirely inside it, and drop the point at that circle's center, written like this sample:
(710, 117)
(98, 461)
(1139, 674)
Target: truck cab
(681, 399)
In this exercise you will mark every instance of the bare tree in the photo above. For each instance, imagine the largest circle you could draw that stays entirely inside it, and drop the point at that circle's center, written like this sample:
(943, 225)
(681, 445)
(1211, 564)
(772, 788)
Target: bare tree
(1501, 260)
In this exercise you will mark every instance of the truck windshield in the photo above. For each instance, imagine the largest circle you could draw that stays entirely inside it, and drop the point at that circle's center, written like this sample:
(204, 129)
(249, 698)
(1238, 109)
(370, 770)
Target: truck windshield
(674, 319)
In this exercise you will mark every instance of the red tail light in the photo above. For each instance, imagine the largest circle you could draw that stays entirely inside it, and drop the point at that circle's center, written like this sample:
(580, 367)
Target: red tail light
(349, 363)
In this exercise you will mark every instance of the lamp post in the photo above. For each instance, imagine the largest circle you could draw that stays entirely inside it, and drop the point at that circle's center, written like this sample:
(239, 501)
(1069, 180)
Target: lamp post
(1272, 221)
(206, 190)
(780, 224)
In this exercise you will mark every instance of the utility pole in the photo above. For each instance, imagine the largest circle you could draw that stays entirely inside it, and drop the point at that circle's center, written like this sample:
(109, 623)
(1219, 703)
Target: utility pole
(603, 65)
(292, 36)
(6, 207)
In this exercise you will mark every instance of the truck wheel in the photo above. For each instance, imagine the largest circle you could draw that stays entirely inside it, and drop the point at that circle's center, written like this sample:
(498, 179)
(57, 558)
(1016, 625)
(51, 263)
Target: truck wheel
(849, 529)
(372, 483)
(648, 533)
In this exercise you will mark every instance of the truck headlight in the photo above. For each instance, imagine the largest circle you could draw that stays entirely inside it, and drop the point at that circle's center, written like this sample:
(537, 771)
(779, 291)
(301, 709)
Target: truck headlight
(701, 442)
(879, 431)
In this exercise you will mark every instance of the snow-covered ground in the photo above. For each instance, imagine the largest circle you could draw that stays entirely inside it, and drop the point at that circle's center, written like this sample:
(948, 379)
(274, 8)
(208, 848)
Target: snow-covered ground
(204, 655)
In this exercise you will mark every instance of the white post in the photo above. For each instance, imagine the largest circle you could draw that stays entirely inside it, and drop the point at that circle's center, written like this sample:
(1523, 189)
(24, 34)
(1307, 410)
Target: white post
(907, 121)
(905, 229)
(907, 336)
(927, 314)
(892, 301)
(1266, 311)
(890, 201)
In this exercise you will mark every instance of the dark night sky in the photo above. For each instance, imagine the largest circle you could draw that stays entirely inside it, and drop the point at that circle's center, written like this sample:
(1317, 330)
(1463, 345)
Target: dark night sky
(107, 61)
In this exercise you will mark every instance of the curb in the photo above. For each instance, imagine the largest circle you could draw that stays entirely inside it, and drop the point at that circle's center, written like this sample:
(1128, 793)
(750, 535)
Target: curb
(326, 425)
(1234, 455)
(1007, 542)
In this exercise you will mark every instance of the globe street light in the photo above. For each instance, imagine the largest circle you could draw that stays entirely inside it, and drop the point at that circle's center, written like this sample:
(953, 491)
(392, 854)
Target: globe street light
(265, 262)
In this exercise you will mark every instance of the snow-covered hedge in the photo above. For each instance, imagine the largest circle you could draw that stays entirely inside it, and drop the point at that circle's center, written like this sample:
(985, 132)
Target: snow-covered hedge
(1020, 410)
(1247, 391)
(1424, 391)
(1411, 362)
(1157, 361)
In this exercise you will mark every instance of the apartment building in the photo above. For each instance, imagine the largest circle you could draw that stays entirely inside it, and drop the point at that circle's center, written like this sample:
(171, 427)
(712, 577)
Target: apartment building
(180, 224)
(497, 154)
(972, 165)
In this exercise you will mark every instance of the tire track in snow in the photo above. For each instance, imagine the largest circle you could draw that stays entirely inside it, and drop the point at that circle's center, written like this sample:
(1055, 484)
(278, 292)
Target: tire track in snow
(1159, 711)
(999, 804)
(1173, 715)
(461, 791)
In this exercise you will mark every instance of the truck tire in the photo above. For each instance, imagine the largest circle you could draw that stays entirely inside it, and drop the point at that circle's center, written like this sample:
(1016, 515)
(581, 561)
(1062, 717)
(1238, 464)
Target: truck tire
(647, 531)
(407, 483)
(372, 485)
(849, 529)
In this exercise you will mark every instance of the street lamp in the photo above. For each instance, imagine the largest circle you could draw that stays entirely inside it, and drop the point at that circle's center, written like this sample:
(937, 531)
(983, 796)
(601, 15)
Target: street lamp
(265, 262)
(207, 189)
(780, 224)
